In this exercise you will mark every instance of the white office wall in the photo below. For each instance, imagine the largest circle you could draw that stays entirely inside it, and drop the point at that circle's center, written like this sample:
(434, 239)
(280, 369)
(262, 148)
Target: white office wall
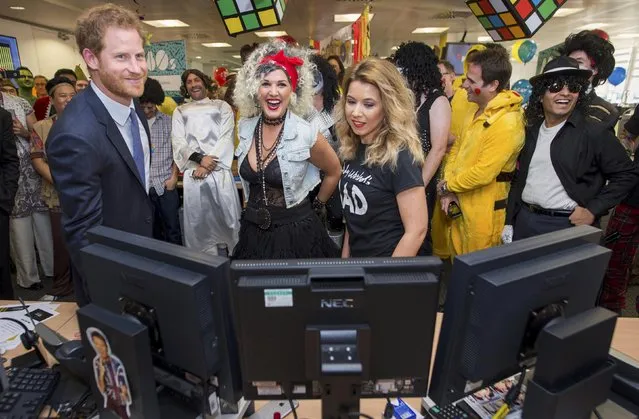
(41, 50)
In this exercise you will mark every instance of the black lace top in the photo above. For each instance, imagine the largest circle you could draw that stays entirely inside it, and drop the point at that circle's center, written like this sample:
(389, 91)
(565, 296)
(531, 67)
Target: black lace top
(273, 180)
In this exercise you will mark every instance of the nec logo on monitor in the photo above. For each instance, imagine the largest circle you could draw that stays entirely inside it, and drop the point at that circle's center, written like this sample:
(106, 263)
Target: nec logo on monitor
(337, 303)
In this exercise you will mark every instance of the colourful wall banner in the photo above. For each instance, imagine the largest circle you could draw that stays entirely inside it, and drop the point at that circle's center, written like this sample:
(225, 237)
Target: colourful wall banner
(166, 62)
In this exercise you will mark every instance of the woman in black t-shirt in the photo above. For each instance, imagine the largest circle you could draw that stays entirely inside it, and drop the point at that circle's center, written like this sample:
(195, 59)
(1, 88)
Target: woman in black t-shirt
(382, 190)
(418, 64)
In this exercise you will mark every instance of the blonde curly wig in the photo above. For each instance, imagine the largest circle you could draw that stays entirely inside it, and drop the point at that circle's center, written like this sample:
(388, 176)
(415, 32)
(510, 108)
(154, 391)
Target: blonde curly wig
(251, 74)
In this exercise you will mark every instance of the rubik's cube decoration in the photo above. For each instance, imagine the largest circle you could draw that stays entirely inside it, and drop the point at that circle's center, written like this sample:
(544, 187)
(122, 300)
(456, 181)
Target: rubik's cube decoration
(241, 16)
(506, 20)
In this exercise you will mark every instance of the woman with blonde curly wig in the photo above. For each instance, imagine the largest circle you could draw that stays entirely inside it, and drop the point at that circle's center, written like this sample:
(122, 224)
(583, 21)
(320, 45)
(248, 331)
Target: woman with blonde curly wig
(280, 156)
(382, 189)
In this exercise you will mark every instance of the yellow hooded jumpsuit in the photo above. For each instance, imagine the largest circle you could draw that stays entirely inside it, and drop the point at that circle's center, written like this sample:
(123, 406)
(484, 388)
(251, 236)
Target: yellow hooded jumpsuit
(479, 169)
(440, 224)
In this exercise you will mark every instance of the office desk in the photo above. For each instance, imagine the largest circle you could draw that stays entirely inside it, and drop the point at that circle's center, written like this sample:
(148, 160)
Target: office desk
(625, 340)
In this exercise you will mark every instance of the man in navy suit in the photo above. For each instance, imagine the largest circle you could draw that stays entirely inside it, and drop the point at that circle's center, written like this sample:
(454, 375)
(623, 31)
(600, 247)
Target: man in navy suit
(98, 150)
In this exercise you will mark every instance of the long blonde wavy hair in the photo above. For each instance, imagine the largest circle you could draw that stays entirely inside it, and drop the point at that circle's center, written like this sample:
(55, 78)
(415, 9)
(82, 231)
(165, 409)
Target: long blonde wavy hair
(399, 127)
(250, 75)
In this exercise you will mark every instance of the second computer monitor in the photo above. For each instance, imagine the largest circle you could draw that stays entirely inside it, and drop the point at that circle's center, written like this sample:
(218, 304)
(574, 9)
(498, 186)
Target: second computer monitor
(500, 299)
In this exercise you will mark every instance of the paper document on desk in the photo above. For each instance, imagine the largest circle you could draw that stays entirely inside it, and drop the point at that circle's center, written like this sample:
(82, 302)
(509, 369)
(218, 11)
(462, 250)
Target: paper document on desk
(10, 332)
(486, 402)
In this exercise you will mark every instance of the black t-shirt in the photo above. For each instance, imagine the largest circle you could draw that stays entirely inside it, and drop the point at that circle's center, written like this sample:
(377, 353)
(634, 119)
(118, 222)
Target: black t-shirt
(369, 202)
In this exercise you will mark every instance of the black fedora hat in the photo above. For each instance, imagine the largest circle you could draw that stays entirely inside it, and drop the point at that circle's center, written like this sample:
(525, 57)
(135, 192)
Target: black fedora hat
(561, 66)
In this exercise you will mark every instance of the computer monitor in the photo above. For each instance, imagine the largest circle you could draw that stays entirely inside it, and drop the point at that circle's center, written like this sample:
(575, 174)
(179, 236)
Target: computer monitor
(455, 52)
(183, 297)
(499, 300)
(335, 329)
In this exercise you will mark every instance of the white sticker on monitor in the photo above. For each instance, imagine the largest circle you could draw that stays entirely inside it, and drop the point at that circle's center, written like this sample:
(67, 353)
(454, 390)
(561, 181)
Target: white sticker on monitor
(269, 391)
(282, 297)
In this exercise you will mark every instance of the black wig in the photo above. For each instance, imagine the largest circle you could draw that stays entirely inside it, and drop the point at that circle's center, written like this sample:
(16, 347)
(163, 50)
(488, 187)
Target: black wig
(153, 92)
(330, 91)
(534, 112)
(205, 79)
(600, 51)
(418, 64)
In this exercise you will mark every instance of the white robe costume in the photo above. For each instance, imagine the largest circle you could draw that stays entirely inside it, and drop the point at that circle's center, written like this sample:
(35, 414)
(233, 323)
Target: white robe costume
(211, 205)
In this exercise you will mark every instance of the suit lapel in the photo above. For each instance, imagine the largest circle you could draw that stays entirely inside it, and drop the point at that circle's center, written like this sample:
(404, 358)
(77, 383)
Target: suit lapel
(113, 133)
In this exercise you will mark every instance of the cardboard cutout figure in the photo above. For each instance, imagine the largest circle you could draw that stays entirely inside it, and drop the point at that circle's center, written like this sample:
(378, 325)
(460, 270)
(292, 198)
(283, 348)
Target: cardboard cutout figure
(110, 375)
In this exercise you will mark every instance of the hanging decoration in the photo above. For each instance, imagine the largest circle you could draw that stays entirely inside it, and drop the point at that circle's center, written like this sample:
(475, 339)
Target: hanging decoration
(507, 20)
(242, 16)
(524, 88)
(362, 36)
(617, 76)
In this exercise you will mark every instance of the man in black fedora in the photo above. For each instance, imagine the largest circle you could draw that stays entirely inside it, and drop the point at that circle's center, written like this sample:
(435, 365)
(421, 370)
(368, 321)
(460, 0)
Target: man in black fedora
(572, 170)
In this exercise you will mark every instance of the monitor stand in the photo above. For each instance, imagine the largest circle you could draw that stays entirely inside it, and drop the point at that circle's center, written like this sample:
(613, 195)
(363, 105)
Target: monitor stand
(338, 358)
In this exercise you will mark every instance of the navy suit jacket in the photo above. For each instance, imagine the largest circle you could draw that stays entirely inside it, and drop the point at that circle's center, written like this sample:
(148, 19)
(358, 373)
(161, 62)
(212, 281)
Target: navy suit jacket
(95, 176)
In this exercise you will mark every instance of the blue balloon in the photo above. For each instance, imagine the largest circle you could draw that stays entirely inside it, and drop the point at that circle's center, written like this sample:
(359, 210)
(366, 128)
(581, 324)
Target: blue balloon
(524, 88)
(527, 51)
(617, 76)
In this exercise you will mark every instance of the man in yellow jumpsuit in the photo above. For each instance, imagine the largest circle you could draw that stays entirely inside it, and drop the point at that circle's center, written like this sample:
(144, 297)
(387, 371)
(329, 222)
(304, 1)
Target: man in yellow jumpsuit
(440, 223)
(481, 163)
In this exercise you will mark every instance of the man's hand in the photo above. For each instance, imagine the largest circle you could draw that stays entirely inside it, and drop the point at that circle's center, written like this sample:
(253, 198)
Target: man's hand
(200, 173)
(447, 199)
(19, 129)
(209, 163)
(582, 217)
(170, 183)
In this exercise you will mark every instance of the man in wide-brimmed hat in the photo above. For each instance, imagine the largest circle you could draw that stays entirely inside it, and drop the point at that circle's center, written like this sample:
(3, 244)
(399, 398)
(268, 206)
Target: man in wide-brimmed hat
(572, 170)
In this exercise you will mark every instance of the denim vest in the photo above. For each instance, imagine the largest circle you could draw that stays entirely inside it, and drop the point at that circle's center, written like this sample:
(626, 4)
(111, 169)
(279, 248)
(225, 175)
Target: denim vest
(299, 175)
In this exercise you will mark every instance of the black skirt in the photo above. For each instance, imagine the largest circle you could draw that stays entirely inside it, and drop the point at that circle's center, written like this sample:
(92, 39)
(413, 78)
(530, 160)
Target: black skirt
(295, 233)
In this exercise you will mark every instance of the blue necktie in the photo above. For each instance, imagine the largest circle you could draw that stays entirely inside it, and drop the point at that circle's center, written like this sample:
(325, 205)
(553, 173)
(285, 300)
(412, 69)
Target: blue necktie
(138, 151)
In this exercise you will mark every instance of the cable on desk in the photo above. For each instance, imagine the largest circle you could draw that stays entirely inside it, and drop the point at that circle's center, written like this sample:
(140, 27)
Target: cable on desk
(511, 397)
(596, 412)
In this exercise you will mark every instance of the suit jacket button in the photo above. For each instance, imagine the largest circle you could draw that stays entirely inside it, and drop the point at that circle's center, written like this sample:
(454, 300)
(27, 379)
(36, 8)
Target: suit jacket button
(148, 220)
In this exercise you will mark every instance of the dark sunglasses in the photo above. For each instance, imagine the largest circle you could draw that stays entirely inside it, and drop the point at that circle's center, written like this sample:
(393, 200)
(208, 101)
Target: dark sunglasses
(558, 85)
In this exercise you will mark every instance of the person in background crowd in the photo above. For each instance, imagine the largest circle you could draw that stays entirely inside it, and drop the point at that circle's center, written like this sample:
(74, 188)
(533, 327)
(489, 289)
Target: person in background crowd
(447, 71)
(30, 226)
(82, 82)
(9, 174)
(382, 186)
(42, 106)
(338, 66)
(482, 161)
(596, 54)
(25, 84)
(325, 96)
(61, 90)
(622, 236)
(164, 172)
(98, 150)
(247, 50)
(418, 64)
(202, 137)
(40, 84)
(572, 169)
(460, 107)
(7, 87)
(280, 156)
